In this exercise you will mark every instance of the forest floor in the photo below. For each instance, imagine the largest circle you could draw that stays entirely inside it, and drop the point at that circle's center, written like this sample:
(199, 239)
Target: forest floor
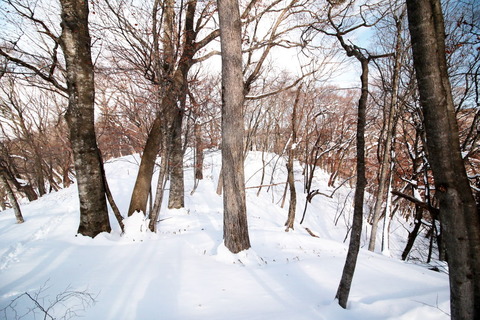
(184, 272)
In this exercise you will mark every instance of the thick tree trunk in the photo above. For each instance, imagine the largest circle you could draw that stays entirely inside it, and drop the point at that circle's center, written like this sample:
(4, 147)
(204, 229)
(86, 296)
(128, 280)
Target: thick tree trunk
(356, 232)
(235, 228)
(75, 42)
(177, 190)
(143, 183)
(458, 210)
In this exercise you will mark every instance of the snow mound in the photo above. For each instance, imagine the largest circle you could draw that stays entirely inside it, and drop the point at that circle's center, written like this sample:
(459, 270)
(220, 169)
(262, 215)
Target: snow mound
(245, 258)
(136, 227)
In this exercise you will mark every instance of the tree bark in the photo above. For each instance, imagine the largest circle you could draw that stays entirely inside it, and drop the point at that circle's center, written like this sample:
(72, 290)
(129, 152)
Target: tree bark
(235, 228)
(176, 197)
(75, 41)
(458, 210)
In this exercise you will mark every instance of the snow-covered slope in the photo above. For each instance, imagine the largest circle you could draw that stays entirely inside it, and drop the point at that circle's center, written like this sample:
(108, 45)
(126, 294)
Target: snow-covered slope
(184, 271)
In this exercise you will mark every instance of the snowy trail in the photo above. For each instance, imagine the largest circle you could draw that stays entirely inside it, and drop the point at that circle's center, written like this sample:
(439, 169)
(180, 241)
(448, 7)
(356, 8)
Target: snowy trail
(36, 227)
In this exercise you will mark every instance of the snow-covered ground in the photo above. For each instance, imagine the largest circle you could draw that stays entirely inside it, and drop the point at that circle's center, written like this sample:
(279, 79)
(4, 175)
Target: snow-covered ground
(185, 272)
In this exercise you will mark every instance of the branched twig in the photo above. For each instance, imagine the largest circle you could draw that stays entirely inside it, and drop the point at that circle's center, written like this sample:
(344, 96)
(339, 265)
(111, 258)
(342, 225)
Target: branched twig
(72, 302)
(266, 185)
(38, 305)
(316, 192)
(435, 307)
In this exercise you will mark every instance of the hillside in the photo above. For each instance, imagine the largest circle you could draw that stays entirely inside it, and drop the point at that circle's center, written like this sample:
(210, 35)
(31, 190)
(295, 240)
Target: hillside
(184, 271)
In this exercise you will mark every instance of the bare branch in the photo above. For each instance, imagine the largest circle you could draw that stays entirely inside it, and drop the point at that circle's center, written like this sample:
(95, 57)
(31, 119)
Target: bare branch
(434, 211)
(265, 95)
(47, 77)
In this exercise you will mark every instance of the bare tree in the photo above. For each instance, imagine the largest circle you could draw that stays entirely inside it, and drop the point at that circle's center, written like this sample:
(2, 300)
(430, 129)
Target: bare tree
(75, 43)
(339, 30)
(164, 57)
(290, 161)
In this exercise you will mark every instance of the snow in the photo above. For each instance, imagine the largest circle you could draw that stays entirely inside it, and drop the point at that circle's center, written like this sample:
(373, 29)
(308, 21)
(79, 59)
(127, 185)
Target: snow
(185, 272)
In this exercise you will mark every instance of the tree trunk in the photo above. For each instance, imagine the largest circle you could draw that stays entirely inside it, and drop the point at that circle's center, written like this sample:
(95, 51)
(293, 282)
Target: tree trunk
(387, 218)
(162, 179)
(198, 157)
(293, 193)
(235, 228)
(458, 210)
(66, 181)
(386, 156)
(412, 235)
(143, 183)
(219, 190)
(76, 43)
(356, 232)
(198, 153)
(39, 176)
(27, 189)
(110, 199)
(11, 196)
(177, 193)
(290, 175)
(263, 170)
